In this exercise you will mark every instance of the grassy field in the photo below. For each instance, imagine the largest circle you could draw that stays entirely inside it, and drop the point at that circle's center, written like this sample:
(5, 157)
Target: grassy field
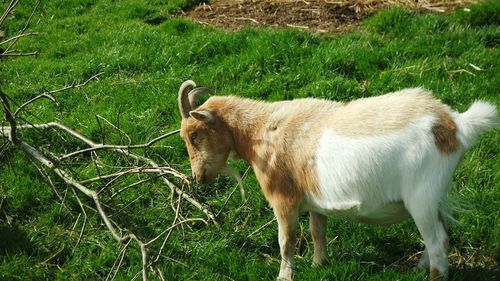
(145, 52)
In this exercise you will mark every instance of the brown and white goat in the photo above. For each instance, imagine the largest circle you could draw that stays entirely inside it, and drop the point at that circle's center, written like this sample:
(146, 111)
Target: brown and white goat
(374, 160)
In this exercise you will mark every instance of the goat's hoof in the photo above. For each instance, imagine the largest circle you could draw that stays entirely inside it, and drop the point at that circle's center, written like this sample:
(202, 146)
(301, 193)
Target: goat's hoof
(321, 263)
(435, 275)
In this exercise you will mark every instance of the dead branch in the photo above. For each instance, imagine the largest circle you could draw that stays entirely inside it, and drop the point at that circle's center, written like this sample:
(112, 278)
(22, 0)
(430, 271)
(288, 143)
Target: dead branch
(22, 31)
(51, 183)
(170, 184)
(126, 152)
(36, 155)
(118, 147)
(85, 218)
(115, 127)
(262, 227)
(49, 94)
(173, 187)
(135, 184)
(139, 170)
(14, 53)
(12, 130)
(46, 161)
(8, 10)
(19, 36)
(119, 258)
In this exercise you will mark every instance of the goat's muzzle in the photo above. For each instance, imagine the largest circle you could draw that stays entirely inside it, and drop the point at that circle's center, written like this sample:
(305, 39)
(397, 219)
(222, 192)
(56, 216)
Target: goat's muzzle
(200, 177)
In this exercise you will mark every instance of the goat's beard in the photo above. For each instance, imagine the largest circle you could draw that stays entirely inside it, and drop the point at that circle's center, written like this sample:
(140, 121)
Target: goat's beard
(230, 172)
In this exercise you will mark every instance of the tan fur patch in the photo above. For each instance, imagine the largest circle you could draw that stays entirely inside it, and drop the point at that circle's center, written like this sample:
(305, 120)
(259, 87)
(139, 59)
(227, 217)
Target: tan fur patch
(444, 132)
(289, 144)
(265, 135)
(383, 114)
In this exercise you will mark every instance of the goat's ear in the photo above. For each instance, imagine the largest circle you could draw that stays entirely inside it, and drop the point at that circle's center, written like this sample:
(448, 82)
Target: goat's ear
(202, 115)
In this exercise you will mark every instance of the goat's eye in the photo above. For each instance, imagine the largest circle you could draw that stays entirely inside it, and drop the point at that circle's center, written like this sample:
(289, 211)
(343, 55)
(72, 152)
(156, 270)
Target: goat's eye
(193, 137)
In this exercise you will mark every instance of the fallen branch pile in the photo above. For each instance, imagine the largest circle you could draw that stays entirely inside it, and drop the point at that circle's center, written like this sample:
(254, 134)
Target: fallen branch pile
(100, 172)
(140, 165)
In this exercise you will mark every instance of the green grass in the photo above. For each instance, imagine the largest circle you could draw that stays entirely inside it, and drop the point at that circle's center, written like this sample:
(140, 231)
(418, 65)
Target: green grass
(145, 52)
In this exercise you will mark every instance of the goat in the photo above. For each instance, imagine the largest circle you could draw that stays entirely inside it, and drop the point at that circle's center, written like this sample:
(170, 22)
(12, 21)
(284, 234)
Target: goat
(376, 160)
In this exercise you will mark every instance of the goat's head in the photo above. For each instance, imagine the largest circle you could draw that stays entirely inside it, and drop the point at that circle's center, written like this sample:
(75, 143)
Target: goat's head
(208, 142)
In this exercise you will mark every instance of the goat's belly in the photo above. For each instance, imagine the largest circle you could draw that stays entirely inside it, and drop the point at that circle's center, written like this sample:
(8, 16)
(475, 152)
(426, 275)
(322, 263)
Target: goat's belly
(384, 214)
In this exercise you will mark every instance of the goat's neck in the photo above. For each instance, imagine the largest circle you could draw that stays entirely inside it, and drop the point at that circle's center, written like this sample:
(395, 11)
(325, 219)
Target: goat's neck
(246, 120)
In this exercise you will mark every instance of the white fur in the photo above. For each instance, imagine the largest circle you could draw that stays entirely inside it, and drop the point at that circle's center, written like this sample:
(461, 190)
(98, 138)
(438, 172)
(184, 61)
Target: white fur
(362, 177)
(480, 117)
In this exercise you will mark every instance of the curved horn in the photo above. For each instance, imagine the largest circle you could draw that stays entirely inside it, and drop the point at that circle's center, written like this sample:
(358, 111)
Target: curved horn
(184, 104)
(194, 94)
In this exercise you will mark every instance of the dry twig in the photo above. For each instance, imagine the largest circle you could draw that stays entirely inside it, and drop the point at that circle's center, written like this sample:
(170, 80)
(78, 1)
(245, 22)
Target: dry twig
(49, 94)
(13, 40)
(262, 227)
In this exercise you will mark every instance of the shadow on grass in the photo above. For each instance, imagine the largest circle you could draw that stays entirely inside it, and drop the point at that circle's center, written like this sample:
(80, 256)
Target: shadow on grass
(476, 273)
(391, 253)
(14, 240)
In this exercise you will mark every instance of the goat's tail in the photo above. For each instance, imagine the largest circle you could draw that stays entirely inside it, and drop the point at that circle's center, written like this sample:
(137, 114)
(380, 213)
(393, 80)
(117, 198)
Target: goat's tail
(480, 117)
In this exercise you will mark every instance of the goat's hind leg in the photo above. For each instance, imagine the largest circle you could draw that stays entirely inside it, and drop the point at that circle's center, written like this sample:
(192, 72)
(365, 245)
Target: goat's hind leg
(318, 230)
(433, 230)
(424, 263)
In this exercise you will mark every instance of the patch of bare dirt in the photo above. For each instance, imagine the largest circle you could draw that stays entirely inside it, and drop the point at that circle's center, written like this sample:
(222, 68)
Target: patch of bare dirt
(313, 15)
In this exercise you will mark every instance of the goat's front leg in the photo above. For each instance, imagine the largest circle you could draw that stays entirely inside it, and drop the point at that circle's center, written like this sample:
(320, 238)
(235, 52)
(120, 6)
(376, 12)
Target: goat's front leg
(287, 224)
(318, 231)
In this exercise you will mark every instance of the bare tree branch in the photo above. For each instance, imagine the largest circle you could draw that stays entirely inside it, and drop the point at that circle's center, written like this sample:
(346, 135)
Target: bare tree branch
(51, 183)
(35, 154)
(262, 227)
(123, 151)
(8, 10)
(115, 127)
(118, 147)
(139, 170)
(12, 133)
(14, 53)
(24, 28)
(119, 258)
(19, 36)
(49, 94)
(85, 218)
(135, 184)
